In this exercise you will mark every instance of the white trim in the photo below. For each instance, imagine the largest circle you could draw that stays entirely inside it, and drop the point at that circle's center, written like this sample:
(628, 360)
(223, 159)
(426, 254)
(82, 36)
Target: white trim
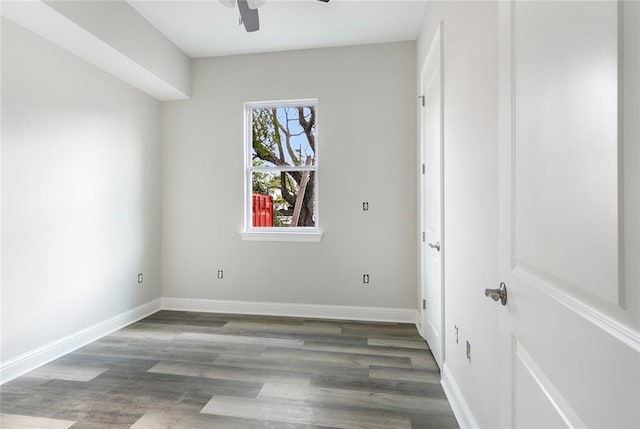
(315, 311)
(553, 395)
(504, 378)
(460, 408)
(613, 326)
(42, 355)
(419, 323)
(280, 235)
(283, 103)
(249, 169)
(279, 168)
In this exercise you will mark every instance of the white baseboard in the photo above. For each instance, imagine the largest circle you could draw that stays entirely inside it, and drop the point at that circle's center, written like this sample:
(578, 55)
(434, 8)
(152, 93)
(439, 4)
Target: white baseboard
(377, 314)
(42, 355)
(419, 326)
(458, 404)
(35, 358)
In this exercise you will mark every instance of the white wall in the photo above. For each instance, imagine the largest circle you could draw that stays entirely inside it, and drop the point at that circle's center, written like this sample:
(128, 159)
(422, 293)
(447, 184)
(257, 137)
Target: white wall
(133, 50)
(134, 36)
(471, 194)
(367, 132)
(80, 194)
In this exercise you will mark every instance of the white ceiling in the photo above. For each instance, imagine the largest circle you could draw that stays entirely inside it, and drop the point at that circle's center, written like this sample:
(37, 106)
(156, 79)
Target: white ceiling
(205, 28)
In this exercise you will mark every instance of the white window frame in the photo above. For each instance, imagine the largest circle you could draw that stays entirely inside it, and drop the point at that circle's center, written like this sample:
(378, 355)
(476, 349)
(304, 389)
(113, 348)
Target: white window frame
(296, 233)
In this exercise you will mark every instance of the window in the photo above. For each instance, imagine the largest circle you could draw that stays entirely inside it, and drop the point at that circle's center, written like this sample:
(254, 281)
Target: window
(281, 171)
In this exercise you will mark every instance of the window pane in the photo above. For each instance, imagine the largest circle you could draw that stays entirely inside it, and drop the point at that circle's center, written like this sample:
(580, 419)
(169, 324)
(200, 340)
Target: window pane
(283, 136)
(278, 201)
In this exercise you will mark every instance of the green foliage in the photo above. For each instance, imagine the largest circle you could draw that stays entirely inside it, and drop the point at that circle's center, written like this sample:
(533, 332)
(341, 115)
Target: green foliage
(273, 144)
(264, 134)
(261, 182)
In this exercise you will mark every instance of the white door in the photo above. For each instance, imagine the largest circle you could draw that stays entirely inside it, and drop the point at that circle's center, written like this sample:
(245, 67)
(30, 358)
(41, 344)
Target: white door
(569, 205)
(432, 240)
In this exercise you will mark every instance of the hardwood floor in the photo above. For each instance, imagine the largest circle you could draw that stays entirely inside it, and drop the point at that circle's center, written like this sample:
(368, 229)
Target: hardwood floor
(201, 370)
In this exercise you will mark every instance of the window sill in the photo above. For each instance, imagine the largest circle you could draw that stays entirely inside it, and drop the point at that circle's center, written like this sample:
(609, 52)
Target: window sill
(300, 236)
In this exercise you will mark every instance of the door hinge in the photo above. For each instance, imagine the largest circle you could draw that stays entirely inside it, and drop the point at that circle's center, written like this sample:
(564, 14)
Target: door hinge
(421, 97)
(423, 168)
(424, 304)
(422, 235)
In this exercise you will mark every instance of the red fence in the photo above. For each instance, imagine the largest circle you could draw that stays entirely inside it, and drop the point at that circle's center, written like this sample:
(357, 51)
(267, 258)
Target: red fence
(262, 210)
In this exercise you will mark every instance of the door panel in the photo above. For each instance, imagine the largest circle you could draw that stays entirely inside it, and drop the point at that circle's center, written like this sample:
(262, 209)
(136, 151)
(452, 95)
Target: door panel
(534, 405)
(571, 337)
(566, 144)
(433, 221)
(432, 245)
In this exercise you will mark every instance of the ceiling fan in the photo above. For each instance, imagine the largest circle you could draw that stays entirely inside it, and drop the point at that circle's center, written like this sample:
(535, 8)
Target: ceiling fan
(249, 12)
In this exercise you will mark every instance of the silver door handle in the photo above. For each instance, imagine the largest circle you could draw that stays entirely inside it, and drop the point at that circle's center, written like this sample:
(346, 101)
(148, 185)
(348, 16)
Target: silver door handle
(434, 245)
(498, 294)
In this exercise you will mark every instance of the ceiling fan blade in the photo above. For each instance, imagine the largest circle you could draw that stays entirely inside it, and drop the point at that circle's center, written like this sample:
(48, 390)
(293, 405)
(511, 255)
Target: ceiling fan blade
(326, 1)
(249, 16)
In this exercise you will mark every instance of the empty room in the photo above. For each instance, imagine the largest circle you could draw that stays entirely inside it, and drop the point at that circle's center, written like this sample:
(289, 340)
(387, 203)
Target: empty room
(320, 214)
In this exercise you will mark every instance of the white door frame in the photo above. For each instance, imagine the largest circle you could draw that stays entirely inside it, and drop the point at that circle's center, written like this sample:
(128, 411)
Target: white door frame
(435, 53)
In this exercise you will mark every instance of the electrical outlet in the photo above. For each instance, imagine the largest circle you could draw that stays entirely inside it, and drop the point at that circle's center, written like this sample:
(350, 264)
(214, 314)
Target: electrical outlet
(468, 351)
(365, 206)
(456, 334)
(365, 278)
(220, 274)
(139, 277)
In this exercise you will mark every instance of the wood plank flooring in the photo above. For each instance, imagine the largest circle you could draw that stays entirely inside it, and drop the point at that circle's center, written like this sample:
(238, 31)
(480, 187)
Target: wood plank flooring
(187, 370)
